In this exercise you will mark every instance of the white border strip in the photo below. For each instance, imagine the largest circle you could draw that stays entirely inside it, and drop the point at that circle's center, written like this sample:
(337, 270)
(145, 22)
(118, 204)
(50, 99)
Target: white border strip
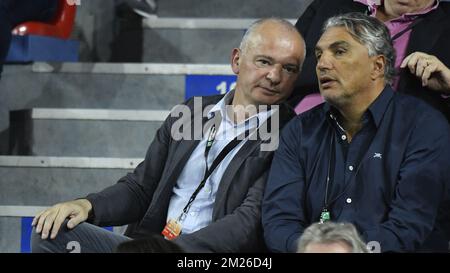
(99, 114)
(134, 68)
(69, 162)
(20, 211)
(200, 23)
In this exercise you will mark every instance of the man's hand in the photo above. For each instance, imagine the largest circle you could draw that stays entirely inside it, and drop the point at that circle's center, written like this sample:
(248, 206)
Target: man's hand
(434, 74)
(52, 218)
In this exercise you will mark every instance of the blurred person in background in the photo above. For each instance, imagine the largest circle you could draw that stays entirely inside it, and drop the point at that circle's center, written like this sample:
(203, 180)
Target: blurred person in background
(420, 30)
(330, 237)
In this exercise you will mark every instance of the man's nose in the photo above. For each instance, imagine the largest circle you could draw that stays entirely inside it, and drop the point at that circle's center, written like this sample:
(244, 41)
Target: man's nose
(324, 62)
(274, 74)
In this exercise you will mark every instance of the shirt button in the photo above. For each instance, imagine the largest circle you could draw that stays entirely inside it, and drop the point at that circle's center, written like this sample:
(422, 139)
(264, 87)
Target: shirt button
(343, 137)
(350, 168)
(349, 200)
(192, 213)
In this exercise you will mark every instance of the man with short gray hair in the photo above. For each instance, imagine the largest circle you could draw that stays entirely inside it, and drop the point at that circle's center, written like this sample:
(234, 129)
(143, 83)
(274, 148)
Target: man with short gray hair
(331, 237)
(202, 193)
(368, 155)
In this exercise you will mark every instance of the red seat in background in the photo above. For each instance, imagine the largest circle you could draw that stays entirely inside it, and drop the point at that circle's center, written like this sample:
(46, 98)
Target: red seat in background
(60, 27)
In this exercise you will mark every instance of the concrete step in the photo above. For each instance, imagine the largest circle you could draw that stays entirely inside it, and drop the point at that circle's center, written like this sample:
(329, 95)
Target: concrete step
(168, 45)
(109, 31)
(200, 23)
(15, 227)
(231, 8)
(179, 40)
(43, 181)
(23, 88)
(99, 85)
(12, 227)
(30, 184)
(133, 68)
(187, 40)
(95, 85)
(83, 132)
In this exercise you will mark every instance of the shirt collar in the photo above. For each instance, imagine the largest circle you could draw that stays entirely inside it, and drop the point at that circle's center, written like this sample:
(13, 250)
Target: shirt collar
(374, 4)
(220, 107)
(381, 103)
(376, 110)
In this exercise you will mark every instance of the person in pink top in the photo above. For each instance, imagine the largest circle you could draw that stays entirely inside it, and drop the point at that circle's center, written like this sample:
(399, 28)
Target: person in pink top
(420, 30)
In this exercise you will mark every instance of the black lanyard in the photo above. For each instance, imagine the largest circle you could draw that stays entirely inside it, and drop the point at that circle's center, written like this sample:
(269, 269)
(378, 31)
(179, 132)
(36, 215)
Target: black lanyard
(225, 151)
(331, 154)
(325, 215)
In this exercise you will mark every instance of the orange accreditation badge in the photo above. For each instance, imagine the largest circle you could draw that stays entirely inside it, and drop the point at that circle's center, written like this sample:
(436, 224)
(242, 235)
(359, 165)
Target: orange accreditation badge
(172, 229)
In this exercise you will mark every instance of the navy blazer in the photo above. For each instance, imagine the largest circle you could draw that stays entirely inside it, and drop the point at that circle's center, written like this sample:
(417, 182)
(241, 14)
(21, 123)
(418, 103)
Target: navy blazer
(431, 35)
(144, 195)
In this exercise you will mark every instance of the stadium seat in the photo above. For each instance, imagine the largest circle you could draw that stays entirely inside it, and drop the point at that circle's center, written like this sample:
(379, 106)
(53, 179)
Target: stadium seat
(60, 27)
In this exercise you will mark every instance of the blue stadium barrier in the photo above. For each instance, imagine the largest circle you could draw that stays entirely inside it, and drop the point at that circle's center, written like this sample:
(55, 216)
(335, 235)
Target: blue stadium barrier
(206, 85)
(41, 48)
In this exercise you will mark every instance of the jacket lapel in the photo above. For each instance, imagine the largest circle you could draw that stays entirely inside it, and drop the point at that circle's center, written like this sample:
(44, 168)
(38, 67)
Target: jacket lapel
(184, 148)
(228, 176)
(422, 39)
(182, 152)
(181, 156)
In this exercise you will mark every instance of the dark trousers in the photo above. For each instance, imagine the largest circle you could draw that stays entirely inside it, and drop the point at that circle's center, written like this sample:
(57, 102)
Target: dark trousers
(15, 12)
(84, 238)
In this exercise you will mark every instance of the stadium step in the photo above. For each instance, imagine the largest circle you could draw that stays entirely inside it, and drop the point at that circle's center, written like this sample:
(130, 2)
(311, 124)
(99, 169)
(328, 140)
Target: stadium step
(83, 132)
(231, 8)
(30, 184)
(43, 181)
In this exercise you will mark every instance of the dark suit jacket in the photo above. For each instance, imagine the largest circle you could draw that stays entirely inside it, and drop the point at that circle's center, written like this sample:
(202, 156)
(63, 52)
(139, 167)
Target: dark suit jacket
(431, 35)
(144, 195)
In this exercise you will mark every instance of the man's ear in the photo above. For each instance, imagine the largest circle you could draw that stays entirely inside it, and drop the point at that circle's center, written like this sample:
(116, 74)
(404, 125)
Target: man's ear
(379, 63)
(235, 60)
